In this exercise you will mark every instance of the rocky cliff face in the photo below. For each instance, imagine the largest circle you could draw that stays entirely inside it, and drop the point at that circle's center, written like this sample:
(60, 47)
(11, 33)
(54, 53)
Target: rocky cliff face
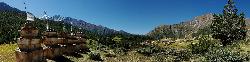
(183, 29)
(188, 28)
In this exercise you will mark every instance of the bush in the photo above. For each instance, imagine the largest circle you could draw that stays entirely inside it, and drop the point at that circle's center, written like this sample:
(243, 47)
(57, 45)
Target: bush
(95, 56)
(148, 50)
(120, 51)
(226, 55)
(210, 49)
(183, 55)
(110, 55)
(174, 55)
(204, 43)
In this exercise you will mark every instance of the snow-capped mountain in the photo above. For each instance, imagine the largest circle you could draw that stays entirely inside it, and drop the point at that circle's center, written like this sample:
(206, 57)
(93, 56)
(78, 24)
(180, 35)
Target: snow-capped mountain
(76, 22)
(85, 25)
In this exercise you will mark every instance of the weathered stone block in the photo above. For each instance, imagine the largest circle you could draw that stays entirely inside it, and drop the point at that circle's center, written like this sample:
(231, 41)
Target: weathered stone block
(34, 56)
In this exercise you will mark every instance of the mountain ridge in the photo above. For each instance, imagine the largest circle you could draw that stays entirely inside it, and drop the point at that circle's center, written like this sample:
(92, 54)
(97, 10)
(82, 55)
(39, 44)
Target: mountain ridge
(187, 29)
(88, 26)
(6, 7)
(101, 30)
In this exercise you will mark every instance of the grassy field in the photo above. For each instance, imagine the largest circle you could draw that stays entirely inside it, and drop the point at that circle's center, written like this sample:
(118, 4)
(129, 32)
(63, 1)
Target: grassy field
(7, 53)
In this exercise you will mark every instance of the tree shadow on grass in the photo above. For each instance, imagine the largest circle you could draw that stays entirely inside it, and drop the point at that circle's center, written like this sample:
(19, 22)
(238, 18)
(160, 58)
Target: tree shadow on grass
(61, 59)
(74, 54)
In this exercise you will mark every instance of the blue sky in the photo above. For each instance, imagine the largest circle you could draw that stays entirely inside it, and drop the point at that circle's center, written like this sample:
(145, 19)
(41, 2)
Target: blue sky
(133, 16)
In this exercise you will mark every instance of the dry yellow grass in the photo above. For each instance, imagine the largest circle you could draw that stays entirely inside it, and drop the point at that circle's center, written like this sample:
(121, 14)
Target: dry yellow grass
(7, 52)
(131, 56)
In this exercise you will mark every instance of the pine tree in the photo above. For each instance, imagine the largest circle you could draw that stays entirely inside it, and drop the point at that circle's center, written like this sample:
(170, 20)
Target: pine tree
(230, 25)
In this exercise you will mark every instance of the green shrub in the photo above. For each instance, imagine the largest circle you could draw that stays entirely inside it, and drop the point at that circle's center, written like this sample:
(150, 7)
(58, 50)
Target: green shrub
(94, 56)
(120, 51)
(110, 55)
(205, 42)
(226, 55)
(183, 55)
(174, 55)
(148, 50)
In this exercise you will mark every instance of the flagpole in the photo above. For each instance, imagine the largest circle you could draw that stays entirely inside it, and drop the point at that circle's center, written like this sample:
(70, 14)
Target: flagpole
(25, 9)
